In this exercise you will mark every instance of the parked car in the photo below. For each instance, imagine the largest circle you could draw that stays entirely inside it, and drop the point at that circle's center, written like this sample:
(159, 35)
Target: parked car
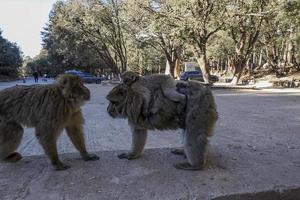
(197, 75)
(85, 76)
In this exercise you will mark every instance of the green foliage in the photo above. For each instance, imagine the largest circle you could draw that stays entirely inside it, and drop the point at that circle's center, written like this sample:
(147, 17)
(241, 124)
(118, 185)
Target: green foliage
(143, 34)
(292, 14)
(86, 34)
(41, 64)
(144, 58)
(10, 57)
(8, 71)
(220, 46)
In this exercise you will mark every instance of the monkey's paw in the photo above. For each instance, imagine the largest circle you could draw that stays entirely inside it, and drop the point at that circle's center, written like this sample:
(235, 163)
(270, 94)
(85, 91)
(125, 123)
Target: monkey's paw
(128, 156)
(14, 157)
(177, 151)
(61, 166)
(91, 157)
(187, 166)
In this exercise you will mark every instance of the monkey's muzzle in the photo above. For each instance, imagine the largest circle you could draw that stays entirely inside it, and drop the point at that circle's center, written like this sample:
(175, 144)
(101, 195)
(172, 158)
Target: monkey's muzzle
(87, 94)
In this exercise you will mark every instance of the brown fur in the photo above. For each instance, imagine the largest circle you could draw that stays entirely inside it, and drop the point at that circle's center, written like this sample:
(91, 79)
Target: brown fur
(47, 108)
(197, 117)
(146, 85)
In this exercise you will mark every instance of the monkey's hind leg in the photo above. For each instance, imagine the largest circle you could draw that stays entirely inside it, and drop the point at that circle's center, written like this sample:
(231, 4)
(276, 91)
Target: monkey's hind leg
(75, 133)
(180, 151)
(173, 95)
(195, 151)
(11, 134)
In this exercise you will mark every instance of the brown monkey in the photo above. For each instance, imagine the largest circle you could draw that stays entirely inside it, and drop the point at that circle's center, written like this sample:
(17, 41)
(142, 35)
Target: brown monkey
(196, 117)
(47, 108)
(147, 84)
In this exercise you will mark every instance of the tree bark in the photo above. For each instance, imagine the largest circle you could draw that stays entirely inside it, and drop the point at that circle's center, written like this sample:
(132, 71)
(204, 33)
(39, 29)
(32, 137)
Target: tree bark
(202, 60)
(290, 57)
(239, 65)
(171, 64)
(260, 58)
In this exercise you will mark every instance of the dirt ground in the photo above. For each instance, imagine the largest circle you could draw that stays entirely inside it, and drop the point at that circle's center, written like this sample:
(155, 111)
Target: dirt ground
(260, 114)
(255, 147)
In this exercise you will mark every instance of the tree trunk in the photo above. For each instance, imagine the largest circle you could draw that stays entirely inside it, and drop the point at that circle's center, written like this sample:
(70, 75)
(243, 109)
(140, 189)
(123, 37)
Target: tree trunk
(227, 65)
(219, 67)
(200, 52)
(171, 67)
(123, 67)
(260, 58)
(290, 57)
(201, 60)
(171, 61)
(272, 57)
(177, 69)
(239, 65)
(253, 62)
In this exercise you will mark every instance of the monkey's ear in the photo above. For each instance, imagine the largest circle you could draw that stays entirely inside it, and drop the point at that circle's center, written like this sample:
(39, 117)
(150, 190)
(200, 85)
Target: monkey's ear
(63, 80)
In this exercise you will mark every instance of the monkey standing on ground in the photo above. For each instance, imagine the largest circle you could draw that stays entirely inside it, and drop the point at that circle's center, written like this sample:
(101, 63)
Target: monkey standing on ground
(197, 117)
(47, 108)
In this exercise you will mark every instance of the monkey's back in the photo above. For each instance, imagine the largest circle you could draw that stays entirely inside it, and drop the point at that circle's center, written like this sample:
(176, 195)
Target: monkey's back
(33, 105)
(199, 113)
(163, 113)
(156, 81)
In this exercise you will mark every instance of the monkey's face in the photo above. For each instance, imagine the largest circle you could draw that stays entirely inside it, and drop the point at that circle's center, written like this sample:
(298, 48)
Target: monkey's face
(117, 101)
(73, 89)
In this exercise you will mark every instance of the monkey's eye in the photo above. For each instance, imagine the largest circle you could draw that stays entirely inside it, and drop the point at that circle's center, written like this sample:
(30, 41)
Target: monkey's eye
(115, 102)
(122, 93)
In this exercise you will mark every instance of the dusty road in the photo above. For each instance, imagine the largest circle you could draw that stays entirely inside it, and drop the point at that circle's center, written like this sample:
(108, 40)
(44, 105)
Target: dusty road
(256, 147)
(251, 117)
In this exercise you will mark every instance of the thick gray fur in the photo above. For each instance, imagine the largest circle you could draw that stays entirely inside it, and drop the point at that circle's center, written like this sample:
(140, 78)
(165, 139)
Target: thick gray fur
(196, 117)
(146, 85)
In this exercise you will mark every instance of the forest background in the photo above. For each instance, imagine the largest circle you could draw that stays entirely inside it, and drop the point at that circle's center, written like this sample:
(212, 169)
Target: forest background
(237, 40)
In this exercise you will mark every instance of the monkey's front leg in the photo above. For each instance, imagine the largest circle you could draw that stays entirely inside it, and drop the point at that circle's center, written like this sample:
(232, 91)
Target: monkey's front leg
(75, 133)
(48, 141)
(139, 137)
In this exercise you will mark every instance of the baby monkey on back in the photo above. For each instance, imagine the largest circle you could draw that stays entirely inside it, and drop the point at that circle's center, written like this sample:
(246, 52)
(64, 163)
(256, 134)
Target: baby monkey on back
(49, 109)
(148, 84)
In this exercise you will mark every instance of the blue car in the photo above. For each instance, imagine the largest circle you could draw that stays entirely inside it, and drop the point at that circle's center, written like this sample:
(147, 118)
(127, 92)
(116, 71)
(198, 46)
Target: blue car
(85, 76)
(197, 75)
(191, 75)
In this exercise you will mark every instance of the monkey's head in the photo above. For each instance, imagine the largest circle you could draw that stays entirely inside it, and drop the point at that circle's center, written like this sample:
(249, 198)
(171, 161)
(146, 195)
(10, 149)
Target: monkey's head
(73, 89)
(117, 98)
(124, 102)
(129, 77)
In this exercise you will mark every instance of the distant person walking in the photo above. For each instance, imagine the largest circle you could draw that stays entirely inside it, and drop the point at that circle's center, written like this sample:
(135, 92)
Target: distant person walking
(36, 76)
